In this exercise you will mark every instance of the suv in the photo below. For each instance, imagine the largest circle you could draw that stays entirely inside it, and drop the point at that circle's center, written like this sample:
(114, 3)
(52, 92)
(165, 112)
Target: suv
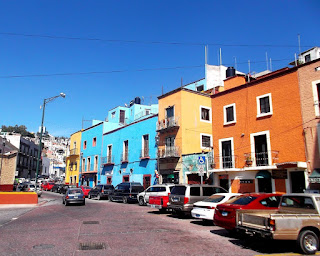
(155, 190)
(101, 191)
(126, 192)
(182, 197)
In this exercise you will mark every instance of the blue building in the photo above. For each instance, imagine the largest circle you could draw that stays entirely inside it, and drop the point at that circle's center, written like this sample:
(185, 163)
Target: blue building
(130, 151)
(90, 156)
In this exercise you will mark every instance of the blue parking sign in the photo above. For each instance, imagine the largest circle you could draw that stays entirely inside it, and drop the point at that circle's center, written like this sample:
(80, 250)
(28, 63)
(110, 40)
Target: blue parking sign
(202, 160)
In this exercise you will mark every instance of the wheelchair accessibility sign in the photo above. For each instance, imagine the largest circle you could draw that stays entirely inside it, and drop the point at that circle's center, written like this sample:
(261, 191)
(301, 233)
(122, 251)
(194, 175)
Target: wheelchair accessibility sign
(201, 160)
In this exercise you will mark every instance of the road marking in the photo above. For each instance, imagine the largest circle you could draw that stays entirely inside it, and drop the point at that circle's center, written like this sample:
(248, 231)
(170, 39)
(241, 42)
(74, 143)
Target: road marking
(282, 254)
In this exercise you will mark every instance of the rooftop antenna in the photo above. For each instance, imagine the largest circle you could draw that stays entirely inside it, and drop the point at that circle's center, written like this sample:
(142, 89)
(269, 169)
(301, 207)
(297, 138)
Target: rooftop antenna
(267, 61)
(299, 44)
(270, 64)
(295, 59)
(249, 71)
(220, 57)
(181, 82)
(235, 62)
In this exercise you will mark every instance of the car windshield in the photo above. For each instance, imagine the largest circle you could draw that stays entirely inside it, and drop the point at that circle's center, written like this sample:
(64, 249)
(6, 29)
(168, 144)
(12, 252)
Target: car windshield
(86, 187)
(214, 199)
(31, 186)
(242, 200)
(178, 190)
(75, 191)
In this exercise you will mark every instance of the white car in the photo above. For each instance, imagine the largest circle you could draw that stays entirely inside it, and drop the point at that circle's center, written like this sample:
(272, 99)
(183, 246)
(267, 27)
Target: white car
(205, 209)
(155, 190)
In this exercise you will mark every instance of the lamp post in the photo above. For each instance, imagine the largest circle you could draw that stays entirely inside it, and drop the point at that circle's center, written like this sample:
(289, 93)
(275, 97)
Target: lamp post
(45, 101)
(3, 148)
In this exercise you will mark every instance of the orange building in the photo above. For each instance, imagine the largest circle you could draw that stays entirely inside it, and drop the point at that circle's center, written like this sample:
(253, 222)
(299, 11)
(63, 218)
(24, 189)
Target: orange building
(257, 132)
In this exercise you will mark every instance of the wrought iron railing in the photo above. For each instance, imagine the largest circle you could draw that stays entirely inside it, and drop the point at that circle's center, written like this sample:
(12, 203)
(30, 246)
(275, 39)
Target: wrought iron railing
(267, 158)
(166, 123)
(107, 160)
(167, 152)
(125, 157)
(74, 151)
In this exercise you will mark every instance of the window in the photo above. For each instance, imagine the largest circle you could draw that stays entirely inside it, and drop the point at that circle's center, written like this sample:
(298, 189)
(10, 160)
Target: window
(272, 201)
(148, 111)
(94, 142)
(170, 112)
(83, 164)
(206, 141)
(194, 191)
(109, 154)
(316, 96)
(261, 148)
(85, 144)
(122, 116)
(88, 164)
(226, 153)
(95, 163)
(205, 114)
(113, 114)
(264, 105)
(307, 58)
(145, 145)
(229, 114)
(200, 88)
(125, 150)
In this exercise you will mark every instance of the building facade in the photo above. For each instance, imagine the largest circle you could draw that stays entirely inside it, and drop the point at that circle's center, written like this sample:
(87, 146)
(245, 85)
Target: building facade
(73, 159)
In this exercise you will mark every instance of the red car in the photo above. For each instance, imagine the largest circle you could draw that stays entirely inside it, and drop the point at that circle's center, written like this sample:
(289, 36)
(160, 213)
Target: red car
(225, 214)
(85, 190)
(47, 186)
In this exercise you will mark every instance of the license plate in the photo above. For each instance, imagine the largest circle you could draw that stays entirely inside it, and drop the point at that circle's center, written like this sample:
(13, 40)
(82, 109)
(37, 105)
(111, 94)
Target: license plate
(224, 214)
(75, 196)
(175, 199)
(153, 206)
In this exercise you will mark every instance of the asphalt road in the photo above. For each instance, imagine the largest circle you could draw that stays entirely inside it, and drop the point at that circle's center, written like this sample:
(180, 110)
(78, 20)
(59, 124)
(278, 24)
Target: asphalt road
(108, 228)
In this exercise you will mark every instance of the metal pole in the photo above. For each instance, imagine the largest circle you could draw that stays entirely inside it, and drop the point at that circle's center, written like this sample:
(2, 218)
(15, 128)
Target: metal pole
(40, 144)
(3, 146)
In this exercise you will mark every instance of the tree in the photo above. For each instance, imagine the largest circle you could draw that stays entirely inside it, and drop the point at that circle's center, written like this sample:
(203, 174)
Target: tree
(22, 129)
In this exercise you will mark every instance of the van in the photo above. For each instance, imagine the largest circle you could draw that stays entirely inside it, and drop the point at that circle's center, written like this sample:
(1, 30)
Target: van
(183, 197)
(126, 192)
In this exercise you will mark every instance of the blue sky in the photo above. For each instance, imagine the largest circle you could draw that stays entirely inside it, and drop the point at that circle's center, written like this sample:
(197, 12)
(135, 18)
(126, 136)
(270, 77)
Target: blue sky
(140, 38)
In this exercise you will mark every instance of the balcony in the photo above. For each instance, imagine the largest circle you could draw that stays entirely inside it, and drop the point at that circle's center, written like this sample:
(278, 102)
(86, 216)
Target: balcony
(107, 160)
(168, 124)
(225, 162)
(74, 152)
(144, 154)
(169, 152)
(268, 158)
(125, 157)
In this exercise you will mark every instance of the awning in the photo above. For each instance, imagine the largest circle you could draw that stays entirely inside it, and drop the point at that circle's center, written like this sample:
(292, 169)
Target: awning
(263, 174)
(315, 176)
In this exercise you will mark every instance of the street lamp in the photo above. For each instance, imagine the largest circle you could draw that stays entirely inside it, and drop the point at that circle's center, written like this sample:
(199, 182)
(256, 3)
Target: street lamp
(45, 101)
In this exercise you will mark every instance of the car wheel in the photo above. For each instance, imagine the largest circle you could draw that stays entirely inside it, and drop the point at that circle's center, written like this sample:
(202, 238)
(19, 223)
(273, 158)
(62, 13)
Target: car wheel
(308, 242)
(141, 201)
(99, 197)
(125, 200)
(84, 203)
(66, 203)
(110, 198)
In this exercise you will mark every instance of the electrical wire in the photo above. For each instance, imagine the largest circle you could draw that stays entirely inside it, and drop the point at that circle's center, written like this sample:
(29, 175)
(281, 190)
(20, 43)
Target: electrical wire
(145, 42)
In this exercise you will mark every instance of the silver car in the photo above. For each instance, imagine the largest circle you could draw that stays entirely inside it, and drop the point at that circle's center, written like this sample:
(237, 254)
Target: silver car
(31, 188)
(73, 196)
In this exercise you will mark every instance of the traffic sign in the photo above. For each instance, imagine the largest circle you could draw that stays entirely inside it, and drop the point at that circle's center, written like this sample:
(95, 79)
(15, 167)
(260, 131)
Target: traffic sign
(202, 160)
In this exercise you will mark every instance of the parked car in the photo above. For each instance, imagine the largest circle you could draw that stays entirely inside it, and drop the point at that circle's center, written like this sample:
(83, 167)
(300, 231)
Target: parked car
(29, 187)
(73, 196)
(85, 190)
(205, 209)
(225, 214)
(126, 192)
(56, 187)
(155, 190)
(65, 187)
(47, 186)
(101, 191)
(183, 197)
(296, 219)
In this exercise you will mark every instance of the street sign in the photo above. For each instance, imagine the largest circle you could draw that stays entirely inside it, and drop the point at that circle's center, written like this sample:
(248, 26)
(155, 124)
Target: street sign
(202, 160)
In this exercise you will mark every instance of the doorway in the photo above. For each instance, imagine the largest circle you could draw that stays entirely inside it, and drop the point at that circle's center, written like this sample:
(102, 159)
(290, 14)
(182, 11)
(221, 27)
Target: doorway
(298, 183)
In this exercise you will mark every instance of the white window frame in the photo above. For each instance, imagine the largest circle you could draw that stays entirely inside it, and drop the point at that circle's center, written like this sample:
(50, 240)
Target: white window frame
(211, 142)
(259, 114)
(83, 165)
(142, 141)
(95, 163)
(88, 164)
(110, 145)
(232, 151)
(253, 151)
(315, 97)
(210, 114)
(225, 114)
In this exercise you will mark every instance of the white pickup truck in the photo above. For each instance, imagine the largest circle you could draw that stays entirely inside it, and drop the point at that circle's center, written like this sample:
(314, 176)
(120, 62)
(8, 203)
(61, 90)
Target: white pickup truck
(297, 219)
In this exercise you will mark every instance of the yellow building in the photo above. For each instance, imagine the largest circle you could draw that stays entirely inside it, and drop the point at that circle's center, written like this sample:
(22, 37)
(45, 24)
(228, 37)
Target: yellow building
(73, 159)
(184, 134)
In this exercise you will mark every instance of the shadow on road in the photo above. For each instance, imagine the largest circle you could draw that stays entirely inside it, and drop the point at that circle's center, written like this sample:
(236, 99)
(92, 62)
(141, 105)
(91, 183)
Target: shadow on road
(205, 223)
(264, 246)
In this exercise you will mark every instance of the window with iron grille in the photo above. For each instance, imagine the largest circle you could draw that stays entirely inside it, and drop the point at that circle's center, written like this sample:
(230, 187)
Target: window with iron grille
(264, 105)
(205, 141)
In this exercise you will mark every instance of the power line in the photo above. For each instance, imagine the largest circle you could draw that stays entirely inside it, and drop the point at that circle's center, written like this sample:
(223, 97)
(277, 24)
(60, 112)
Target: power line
(99, 72)
(145, 42)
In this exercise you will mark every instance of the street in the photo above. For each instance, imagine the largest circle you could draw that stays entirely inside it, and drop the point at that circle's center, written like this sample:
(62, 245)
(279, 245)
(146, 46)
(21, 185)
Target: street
(108, 228)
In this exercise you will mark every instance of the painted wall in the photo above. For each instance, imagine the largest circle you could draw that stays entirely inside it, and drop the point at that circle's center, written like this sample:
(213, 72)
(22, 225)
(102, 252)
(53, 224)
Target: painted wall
(73, 158)
(133, 133)
(91, 151)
